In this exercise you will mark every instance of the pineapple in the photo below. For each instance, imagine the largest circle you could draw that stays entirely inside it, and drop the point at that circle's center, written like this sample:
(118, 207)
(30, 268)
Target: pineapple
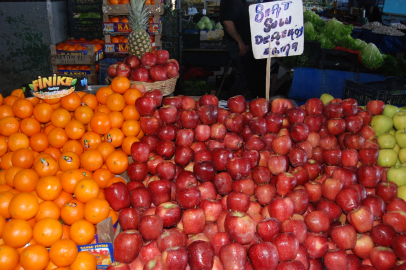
(139, 41)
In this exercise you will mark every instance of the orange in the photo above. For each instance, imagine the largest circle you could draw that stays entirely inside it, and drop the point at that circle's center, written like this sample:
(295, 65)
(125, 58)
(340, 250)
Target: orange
(114, 216)
(9, 258)
(19, 233)
(55, 153)
(57, 137)
(65, 232)
(102, 94)
(69, 161)
(47, 231)
(25, 180)
(22, 108)
(127, 142)
(51, 266)
(63, 198)
(96, 210)
(105, 148)
(34, 100)
(131, 128)
(115, 180)
(52, 101)
(17, 141)
(86, 173)
(86, 189)
(84, 261)
(69, 179)
(39, 142)
(6, 161)
(82, 232)
(23, 206)
(91, 160)
(63, 252)
(114, 136)
(83, 114)
(102, 108)
(3, 178)
(43, 112)
(48, 188)
(73, 146)
(5, 199)
(18, 93)
(75, 130)
(60, 118)
(120, 84)
(100, 123)
(71, 102)
(9, 125)
(2, 222)
(23, 158)
(30, 126)
(72, 211)
(10, 174)
(14, 191)
(5, 111)
(34, 257)
(115, 102)
(116, 119)
(4, 187)
(90, 100)
(102, 176)
(1, 99)
(48, 128)
(131, 96)
(131, 113)
(48, 209)
(10, 100)
(46, 166)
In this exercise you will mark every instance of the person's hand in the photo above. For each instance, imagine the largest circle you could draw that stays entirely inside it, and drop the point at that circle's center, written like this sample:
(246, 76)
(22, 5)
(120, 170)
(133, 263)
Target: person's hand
(243, 48)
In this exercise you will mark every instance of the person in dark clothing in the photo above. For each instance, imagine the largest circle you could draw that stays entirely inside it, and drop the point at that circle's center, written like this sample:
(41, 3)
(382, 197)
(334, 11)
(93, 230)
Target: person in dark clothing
(374, 14)
(234, 17)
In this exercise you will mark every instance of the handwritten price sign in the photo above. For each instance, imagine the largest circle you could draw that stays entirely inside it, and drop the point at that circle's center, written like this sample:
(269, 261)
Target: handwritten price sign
(278, 22)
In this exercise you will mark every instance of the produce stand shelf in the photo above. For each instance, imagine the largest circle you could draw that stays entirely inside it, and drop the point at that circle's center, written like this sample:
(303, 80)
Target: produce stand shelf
(123, 10)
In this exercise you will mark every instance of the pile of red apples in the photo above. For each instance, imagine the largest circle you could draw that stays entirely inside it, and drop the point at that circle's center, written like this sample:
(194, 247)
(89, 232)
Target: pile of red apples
(258, 186)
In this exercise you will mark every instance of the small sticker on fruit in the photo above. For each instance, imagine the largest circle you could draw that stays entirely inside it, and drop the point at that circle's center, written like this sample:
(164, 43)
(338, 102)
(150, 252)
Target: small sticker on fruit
(109, 138)
(86, 143)
(44, 162)
(67, 158)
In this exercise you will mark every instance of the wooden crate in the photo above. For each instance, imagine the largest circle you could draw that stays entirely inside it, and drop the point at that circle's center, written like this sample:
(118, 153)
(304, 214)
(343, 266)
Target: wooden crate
(89, 59)
(123, 10)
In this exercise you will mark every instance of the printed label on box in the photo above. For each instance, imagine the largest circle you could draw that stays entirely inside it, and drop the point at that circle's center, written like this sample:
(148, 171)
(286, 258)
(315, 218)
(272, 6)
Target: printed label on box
(103, 253)
(116, 27)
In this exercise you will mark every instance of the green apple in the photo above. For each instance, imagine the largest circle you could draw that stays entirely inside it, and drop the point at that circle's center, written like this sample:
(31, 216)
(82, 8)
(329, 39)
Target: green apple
(386, 141)
(402, 109)
(403, 165)
(381, 124)
(392, 131)
(402, 192)
(402, 155)
(387, 158)
(398, 163)
(397, 175)
(396, 149)
(390, 110)
(399, 120)
(401, 138)
(326, 98)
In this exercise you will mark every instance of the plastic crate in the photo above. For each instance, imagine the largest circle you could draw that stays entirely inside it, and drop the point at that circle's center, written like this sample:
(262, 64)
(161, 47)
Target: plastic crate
(338, 60)
(311, 55)
(170, 26)
(191, 40)
(391, 91)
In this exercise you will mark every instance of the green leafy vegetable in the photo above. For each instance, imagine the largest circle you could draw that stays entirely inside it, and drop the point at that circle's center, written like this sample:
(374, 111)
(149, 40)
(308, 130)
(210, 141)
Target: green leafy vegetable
(325, 42)
(309, 32)
(311, 16)
(360, 44)
(336, 31)
(371, 56)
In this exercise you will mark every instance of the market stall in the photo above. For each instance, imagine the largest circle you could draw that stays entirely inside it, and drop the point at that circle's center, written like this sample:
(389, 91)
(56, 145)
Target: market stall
(129, 175)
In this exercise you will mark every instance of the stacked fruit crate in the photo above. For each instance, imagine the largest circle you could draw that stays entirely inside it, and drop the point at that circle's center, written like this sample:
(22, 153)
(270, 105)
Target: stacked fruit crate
(85, 18)
(116, 27)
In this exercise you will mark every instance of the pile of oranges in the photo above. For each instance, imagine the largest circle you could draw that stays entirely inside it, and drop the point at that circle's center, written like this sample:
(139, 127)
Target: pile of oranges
(116, 19)
(57, 157)
(80, 44)
(118, 2)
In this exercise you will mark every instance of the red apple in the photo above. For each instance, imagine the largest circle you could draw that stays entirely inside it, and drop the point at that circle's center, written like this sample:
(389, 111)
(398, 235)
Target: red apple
(263, 256)
(239, 227)
(127, 245)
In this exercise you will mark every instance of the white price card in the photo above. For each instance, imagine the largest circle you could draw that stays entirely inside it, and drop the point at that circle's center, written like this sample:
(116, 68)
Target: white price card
(278, 22)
